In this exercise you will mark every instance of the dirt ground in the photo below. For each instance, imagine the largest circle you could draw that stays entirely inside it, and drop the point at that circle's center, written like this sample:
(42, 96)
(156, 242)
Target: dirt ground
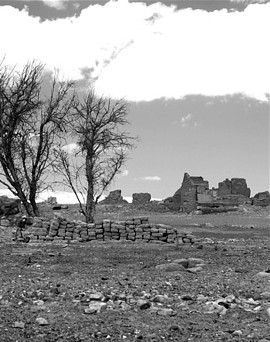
(129, 291)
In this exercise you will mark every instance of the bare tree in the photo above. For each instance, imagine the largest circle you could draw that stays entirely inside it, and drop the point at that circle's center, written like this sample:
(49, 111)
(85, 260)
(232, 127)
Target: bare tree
(30, 125)
(101, 147)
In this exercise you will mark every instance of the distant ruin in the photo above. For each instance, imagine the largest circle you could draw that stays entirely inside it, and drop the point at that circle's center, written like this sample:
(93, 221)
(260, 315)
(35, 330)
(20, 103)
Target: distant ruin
(114, 198)
(195, 194)
(141, 198)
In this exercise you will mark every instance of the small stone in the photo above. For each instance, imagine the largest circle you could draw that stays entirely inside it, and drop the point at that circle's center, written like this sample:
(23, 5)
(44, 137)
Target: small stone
(187, 297)
(268, 312)
(265, 274)
(166, 312)
(237, 333)
(195, 269)
(19, 325)
(39, 302)
(174, 327)
(193, 262)
(143, 304)
(159, 299)
(95, 307)
(265, 295)
(42, 321)
(183, 262)
(96, 296)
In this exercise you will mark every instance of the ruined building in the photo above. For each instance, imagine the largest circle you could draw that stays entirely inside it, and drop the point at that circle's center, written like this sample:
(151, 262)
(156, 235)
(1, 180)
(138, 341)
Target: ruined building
(195, 192)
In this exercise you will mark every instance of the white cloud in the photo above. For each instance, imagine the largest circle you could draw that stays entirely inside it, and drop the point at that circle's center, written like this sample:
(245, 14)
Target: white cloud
(179, 53)
(151, 178)
(70, 148)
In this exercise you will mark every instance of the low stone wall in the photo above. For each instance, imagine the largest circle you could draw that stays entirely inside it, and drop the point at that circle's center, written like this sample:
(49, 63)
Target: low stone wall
(135, 229)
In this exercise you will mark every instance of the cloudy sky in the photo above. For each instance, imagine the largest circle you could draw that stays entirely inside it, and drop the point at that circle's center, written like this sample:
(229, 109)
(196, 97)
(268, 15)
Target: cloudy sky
(196, 74)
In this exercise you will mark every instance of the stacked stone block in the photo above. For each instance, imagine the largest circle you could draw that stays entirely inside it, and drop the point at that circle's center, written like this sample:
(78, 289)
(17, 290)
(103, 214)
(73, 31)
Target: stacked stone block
(135, 229)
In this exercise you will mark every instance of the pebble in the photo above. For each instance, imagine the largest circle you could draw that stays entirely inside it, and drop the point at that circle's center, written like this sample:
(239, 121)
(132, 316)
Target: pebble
(265, 274)
(237, 333)
(265, 295)
(143, 304)
(95, 307)
(96, 296)
(183, 262)
(193, 262)
(19, 325)
(42, 321)
(195, 269)
(166, 312)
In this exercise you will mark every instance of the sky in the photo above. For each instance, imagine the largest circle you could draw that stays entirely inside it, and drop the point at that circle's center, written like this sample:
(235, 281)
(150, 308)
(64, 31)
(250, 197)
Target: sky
(196, 75)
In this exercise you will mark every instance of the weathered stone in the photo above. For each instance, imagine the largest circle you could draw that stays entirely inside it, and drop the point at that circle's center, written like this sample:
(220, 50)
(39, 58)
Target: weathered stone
(9, 206)
(42, 321)
(114, 197)
(143, 304)
(95, 307)
(171, 267)
(166, 312)
(141, 198)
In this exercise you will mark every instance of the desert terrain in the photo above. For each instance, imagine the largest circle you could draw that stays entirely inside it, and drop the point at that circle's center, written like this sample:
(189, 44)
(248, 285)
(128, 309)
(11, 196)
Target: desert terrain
(216, 289)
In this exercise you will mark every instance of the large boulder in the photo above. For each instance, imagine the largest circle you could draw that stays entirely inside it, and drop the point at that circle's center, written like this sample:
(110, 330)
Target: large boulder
(114, 197)
(141, 198)
(9, 206)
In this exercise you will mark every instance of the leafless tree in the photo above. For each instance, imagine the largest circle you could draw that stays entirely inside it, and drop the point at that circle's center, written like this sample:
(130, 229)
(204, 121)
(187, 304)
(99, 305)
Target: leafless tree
(30, 124)
(101, 148)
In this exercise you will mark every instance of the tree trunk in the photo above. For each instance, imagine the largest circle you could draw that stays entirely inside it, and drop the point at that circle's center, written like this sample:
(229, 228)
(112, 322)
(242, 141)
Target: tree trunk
(90, 203)
(27, 206)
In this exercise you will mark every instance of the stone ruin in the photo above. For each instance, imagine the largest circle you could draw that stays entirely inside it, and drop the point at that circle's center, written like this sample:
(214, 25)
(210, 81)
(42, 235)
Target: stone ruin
(261, 199)
(114, 198)
(195, 193)
(9, 206)
(141, 198)
(59, 229)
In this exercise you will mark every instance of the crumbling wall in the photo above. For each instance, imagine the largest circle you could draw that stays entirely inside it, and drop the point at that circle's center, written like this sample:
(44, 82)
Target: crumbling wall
(135, 229)
(114, 197)
(235, 186)
(141, 198)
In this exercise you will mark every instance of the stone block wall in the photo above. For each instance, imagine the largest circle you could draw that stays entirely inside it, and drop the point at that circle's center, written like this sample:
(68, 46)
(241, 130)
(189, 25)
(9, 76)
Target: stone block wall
(135, 229)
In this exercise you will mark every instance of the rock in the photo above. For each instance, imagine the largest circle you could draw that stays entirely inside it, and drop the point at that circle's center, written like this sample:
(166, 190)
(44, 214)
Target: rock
(183, 262)
(201, 298)
(193, 262)
(143, 304)
(171, 267)
(237, 333)
(159, 299)
(214, 307)
(166, 312)
(19, 325)
(265, 295)
(195, 269)
(187, 297)
(96, 296)
(39, 302)
(174, 327)
(9, 206)
(265, 274)
(95, 307)
(42, 321)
